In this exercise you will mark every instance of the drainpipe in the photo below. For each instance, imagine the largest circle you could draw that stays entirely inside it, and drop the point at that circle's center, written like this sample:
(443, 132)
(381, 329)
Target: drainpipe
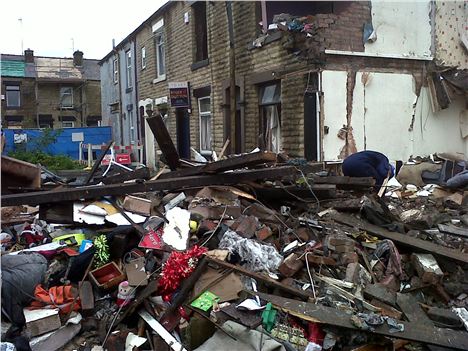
(232, 76)
(119, 86)
(137, 111)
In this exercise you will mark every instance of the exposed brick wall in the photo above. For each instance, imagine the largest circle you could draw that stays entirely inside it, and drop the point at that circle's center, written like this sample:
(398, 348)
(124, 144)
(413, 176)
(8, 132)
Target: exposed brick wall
(341, 30)
(27, 99)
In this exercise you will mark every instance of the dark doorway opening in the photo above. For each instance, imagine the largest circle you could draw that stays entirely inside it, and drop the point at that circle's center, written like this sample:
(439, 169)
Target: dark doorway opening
(183, 132)
(311, 119)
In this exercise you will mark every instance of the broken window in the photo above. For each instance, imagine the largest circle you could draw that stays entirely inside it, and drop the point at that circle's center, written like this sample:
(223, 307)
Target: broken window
(93, 121)
(115, 69)
(204, 107)
(143, 57)
(13, 96)
(270, 113)
(66, 97)
(68, 121)
(160, 47)
(14, 122)
(46, 121)
(201, 34)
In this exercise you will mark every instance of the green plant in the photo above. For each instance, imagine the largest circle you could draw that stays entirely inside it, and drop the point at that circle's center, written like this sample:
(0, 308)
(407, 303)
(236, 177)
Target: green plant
(51, 162)
(101, 257)
(46, 138)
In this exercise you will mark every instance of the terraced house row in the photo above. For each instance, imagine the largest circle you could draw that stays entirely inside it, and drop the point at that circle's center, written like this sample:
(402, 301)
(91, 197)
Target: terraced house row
(316, 79)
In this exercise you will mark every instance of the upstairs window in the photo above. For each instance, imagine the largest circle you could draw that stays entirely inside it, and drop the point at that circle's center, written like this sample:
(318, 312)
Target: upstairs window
(128, 61)
(204, 108)
(115, 69)
(270, 112)
(13, 96)
(201, 33)
(160, 48)
(143, 57)
(66, 97)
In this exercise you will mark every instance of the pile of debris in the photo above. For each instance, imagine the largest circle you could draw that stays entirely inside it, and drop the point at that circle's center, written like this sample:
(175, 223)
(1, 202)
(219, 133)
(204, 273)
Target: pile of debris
(249, 252)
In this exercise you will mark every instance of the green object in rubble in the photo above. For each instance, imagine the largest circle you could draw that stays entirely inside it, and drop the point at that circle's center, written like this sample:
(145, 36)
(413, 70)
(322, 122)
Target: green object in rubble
(268, 317)
(205, 301)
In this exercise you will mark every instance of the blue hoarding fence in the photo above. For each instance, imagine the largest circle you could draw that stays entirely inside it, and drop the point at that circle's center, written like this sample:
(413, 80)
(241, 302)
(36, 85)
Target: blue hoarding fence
(68, 141)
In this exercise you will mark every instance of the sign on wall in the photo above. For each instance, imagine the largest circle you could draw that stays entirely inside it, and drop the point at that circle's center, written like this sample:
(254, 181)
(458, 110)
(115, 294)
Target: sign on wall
(179, 94)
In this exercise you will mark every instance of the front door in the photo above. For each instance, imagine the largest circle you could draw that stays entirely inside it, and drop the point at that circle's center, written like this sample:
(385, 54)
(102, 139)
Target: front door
(183, 132)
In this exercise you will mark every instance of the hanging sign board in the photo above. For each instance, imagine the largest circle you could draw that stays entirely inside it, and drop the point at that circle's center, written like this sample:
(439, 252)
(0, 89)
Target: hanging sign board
(179, 94)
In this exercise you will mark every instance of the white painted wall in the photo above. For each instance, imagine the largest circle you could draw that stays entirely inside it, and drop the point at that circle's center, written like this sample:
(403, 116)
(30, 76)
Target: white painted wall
(334, 110)
(382, 112)
(383, 108)
(403, 28)
(149, 138)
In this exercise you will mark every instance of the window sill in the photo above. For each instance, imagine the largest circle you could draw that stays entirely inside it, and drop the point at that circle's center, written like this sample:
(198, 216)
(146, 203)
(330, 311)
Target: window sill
(199, 64)
(159, 79)
(129, 90)
(13, 107)
(65, 107)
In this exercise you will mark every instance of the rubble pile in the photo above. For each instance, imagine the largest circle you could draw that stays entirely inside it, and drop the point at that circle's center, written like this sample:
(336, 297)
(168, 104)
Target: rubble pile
(251, 252)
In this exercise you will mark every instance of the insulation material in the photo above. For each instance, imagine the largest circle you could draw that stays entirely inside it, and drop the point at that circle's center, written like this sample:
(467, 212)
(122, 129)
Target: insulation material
(177, 230)
(255, 256)
(402, 29)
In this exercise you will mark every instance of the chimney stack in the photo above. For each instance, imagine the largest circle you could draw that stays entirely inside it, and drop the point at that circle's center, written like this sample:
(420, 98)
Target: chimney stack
(29, 56)
(78, 58)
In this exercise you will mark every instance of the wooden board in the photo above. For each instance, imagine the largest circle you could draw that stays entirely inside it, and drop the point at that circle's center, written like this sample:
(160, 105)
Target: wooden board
(164, 141)
(327, 315)
(412, 310)
(97, 191)
(401, 239)
(450, 229)
(237, 162)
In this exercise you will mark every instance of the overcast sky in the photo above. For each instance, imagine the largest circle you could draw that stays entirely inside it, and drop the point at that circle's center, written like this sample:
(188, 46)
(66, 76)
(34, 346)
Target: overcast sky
(55, 28)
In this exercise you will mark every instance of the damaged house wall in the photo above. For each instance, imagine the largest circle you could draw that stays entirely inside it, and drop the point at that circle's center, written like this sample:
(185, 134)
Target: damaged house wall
(402, 29)
(451, 34)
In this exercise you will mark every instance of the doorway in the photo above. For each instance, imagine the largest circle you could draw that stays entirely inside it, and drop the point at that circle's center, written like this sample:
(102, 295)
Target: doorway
(312, 118)
(183, 132)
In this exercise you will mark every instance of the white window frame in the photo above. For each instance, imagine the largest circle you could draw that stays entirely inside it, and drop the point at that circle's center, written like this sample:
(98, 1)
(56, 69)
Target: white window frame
(15, 88)
(143, 57)
(128, 65)
(115, 69)
(159, 40)
(68, 124)
(63, 94)
(208, 115)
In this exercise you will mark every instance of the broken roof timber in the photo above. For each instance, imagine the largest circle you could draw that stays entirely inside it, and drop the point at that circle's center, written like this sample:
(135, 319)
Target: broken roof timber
(93, 192)
(401, 239)
(331, 316)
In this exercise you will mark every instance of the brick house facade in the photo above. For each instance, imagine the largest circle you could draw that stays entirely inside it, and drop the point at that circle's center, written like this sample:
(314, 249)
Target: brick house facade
(50, 92)
(329, 80)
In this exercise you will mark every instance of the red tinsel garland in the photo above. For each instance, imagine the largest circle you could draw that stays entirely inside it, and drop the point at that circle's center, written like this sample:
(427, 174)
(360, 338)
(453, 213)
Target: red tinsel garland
(178, 266)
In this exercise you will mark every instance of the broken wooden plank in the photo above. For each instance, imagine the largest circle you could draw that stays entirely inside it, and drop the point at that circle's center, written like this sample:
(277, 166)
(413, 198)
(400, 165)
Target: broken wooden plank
(98, 161)
(265, 279)
(344, 182)
(139, 173)
(17, 173)
(452, 230)
(412, 310)
(401, 239)
(381, 293)
(164, 141)
(97, 191)
(237, 162)
(331, 316)
(161, 331)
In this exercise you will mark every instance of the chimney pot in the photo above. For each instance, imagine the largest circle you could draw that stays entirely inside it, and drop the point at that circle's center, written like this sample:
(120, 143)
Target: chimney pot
(78, 58)
(29, 56)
